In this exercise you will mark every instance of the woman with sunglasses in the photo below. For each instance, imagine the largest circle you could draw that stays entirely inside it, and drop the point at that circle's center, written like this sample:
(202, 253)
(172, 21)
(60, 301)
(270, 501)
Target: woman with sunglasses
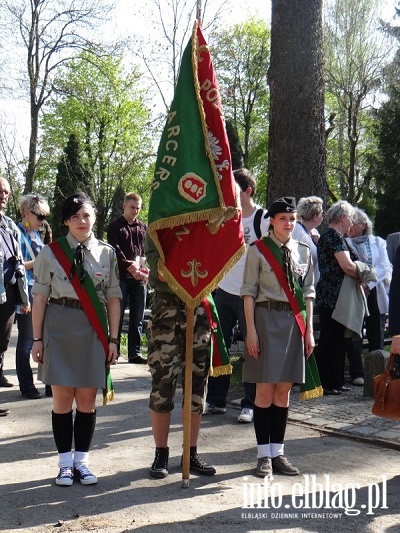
(34, 210)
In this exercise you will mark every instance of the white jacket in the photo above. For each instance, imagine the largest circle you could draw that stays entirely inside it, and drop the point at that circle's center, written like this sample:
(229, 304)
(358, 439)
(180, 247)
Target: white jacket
(383, 268)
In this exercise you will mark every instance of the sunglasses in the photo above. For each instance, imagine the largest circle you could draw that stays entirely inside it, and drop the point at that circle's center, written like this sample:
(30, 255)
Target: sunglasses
(39, 217)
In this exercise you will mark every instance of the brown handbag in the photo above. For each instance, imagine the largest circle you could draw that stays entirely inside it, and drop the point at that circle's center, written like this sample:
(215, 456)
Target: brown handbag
(387, 392)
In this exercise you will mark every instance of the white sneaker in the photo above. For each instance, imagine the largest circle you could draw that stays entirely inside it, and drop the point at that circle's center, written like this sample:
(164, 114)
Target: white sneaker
(246, 416)
(212, 410)
(358, 381)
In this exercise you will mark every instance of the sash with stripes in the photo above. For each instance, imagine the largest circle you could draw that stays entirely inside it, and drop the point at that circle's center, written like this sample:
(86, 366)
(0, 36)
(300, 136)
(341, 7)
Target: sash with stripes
(311, 388)
(90, 302)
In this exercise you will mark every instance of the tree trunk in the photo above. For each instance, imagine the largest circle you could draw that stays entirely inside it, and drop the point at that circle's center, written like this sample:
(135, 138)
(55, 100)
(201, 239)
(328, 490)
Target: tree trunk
(296, 154)
(33, 142)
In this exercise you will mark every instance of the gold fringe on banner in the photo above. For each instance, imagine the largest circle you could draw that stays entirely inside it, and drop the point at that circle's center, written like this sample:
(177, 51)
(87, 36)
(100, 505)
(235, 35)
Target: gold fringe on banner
(109, 397)
(223, 370)
(183, 294)
(312, 394)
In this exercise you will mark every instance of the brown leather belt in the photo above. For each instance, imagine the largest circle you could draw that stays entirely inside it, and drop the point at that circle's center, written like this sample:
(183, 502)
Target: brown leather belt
(276, 306)
(66, 302)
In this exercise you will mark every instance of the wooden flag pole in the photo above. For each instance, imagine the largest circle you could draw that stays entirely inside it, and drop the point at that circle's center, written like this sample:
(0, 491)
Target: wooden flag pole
(187, 402)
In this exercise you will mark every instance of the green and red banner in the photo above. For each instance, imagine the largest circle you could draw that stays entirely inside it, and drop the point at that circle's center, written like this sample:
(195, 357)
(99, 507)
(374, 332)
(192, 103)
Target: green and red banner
(194, 214)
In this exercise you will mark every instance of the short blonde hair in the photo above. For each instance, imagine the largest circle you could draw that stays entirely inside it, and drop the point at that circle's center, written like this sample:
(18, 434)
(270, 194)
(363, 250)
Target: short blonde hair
(133, 196)
(33, 202)
(308, 207)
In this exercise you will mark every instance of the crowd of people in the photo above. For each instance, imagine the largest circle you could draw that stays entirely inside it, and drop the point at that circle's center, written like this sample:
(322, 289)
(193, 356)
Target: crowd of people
(69, 296)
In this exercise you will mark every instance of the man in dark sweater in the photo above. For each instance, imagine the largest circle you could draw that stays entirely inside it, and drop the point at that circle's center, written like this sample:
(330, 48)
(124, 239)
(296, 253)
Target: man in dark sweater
(127, 234)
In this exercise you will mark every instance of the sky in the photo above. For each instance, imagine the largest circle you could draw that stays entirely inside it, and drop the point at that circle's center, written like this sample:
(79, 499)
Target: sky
(129, 10)
(132, 17)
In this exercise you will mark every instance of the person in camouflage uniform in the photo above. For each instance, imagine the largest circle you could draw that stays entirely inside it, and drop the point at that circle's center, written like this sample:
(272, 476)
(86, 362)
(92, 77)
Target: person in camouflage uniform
(166, 353)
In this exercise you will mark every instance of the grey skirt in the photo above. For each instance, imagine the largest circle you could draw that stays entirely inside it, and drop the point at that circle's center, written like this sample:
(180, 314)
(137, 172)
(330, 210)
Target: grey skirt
(281, 358)
(73, 355)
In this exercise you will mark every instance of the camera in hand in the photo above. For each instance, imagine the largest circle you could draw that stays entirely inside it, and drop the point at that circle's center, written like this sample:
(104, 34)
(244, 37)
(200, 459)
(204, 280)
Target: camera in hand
(19, 268)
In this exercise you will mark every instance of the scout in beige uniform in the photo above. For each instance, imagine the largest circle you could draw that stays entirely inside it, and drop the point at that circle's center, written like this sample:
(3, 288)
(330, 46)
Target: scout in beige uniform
(70, 355)
(274, 348)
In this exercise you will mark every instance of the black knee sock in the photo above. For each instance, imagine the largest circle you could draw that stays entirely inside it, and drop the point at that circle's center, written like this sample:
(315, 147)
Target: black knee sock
(262, 424)
(279, 416)
(62, 431)
(83, 430)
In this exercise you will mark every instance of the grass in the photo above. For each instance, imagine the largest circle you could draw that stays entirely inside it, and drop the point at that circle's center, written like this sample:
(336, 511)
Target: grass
(236, 362)
(123, 348)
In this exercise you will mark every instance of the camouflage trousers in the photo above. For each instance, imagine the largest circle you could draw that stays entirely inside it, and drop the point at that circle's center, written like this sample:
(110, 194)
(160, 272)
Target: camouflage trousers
(166, 353)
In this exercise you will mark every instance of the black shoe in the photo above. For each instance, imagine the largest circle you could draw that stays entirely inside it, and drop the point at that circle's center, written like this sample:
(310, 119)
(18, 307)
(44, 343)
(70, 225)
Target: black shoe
(332, 392)
(48, 391)
(345, 389)
(138, 360)
(4, 412)
(84, 475)
(198, 466)
(32, 394)
(5, 383)
(159, 468)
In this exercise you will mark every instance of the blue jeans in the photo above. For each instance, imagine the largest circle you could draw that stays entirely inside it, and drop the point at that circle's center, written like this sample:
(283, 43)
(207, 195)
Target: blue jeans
(134, 291)
(23, 351)
(230, 311)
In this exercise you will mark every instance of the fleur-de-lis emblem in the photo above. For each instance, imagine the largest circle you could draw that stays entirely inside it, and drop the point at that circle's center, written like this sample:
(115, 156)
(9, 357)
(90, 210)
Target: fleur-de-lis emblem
(194, 272)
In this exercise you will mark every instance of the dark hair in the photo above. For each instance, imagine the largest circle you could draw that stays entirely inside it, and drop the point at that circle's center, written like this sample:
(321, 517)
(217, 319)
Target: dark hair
(244, 179)
(73, 204)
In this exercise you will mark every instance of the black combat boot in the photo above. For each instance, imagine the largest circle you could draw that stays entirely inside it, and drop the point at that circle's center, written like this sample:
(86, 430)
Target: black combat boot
(159, 468)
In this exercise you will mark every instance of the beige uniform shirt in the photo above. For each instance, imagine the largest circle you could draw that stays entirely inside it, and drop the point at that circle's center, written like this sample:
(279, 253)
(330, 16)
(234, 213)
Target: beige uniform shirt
(260, 282)
(100, 263)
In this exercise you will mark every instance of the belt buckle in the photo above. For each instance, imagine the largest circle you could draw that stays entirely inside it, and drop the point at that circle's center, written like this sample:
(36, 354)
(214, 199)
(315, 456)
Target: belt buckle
(281, 306)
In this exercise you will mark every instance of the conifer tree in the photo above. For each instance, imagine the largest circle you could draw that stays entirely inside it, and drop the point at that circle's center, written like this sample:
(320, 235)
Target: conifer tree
(71, 178)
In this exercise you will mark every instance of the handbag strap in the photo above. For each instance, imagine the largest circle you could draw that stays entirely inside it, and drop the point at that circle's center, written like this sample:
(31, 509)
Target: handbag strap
(390, 364)
(28, 246)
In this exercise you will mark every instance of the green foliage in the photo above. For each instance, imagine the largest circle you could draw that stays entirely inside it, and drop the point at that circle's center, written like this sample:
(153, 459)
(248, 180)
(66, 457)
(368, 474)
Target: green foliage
(117, 201)
(71, 177)
(388, 165)
(234, 144)
(102, 106)
(355, 55)
(241, 59)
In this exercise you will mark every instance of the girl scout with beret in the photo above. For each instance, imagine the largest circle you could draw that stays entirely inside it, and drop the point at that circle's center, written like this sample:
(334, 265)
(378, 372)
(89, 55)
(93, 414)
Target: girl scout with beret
(76, 292)
(278, 291)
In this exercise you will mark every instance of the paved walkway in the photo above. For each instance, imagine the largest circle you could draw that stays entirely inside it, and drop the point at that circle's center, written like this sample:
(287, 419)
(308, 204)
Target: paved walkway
(346, 415)
(128, 499)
